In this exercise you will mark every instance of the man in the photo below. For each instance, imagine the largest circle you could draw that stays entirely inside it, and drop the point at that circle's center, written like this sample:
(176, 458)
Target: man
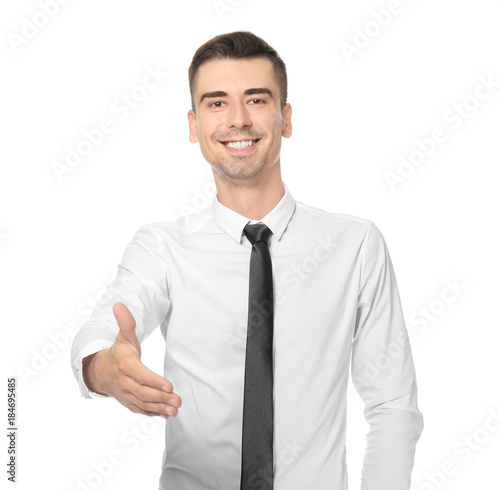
(334, 302)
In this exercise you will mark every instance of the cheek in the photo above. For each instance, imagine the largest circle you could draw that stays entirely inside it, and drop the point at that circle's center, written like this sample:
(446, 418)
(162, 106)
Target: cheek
(207, 130)
(273, 123)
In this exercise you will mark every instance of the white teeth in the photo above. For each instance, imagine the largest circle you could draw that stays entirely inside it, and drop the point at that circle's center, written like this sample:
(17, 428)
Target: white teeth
(240, 145)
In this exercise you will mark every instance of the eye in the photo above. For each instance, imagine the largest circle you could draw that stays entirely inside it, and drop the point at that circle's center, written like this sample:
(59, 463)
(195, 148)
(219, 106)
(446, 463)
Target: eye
(213, 104)
(258, 101)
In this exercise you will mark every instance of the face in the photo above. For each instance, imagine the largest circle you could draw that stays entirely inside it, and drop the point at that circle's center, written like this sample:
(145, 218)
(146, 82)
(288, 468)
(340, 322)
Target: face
(238, 120)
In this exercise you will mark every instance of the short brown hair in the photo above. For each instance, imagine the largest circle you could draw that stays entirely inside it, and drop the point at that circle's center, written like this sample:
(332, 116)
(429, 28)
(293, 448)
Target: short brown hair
(237, 45)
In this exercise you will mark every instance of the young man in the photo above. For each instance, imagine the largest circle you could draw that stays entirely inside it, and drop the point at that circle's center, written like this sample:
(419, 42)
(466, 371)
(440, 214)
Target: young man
(275, 418)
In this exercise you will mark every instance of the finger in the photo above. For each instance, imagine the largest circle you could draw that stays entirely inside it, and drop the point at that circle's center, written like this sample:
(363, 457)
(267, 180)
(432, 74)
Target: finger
(148, 398)
(145, 377)
(150, 408)
(126, 323)
(152, 396)
(135, 409)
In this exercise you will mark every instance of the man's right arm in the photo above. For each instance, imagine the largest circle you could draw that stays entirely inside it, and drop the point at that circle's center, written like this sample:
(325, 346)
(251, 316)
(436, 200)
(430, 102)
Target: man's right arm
(105, 354)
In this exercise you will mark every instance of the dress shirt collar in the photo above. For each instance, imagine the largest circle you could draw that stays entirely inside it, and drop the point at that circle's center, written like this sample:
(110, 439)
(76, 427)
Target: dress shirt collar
(276, 220)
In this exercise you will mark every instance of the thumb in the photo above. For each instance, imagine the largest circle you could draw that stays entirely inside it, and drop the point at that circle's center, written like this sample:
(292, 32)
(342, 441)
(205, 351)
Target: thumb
(126, 322)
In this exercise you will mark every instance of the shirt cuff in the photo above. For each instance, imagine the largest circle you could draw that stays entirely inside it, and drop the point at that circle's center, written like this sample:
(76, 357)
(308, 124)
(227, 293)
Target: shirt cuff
(89, 349)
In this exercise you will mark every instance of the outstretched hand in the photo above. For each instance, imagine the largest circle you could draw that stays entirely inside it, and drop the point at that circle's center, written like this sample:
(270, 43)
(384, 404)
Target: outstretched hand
(119, 372)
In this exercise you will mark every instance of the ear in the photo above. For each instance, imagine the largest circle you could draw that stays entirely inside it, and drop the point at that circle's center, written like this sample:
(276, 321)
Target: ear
(193, 133)
(286, 115)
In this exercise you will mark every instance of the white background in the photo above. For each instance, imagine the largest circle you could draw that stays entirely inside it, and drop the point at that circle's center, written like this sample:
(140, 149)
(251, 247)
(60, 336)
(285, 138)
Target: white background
(354, 117)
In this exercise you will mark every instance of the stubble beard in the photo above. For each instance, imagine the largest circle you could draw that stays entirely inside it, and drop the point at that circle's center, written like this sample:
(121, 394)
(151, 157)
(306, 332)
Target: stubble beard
(241, 171)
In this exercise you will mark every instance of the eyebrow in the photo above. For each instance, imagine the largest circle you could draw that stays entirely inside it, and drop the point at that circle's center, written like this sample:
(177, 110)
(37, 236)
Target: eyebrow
(250, 91)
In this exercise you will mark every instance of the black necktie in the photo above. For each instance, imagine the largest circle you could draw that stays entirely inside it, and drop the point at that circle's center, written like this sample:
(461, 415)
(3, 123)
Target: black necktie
(257, 448)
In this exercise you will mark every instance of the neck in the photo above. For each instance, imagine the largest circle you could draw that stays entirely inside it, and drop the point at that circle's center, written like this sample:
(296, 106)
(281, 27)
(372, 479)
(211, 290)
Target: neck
(254, 200)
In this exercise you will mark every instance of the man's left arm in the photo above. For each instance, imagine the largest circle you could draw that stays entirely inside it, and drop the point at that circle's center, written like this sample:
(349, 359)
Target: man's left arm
(383, 372)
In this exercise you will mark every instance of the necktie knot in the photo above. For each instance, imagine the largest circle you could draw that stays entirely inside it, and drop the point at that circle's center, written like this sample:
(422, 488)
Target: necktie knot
(257, 232)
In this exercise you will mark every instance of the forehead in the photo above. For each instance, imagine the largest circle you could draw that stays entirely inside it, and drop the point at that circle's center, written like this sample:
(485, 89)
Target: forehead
(235, 75)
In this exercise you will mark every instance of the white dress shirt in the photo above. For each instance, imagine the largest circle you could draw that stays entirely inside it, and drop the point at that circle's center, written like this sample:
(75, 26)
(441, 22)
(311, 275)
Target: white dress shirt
(336, 303)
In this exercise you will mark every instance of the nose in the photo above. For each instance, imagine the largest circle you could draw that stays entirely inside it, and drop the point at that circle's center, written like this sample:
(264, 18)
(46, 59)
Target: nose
(237, 116)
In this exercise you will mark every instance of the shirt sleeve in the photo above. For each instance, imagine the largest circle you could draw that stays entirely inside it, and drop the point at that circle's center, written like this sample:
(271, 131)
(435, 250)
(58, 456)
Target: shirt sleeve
(142, 283)
(383, 373)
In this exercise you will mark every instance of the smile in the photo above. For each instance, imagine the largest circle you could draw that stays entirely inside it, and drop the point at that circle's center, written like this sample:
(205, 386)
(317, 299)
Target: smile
(240, 145)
